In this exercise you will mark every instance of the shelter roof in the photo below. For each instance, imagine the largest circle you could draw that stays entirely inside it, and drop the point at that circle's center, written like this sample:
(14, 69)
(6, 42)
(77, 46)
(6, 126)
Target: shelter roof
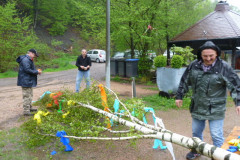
(220, 24)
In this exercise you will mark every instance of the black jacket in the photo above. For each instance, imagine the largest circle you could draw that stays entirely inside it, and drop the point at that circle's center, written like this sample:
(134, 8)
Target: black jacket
(83, 62)
(27, 74)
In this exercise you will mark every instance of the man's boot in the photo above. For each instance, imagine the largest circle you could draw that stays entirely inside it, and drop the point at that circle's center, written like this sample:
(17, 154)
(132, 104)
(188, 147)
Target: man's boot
(26, 111)
(32, 109)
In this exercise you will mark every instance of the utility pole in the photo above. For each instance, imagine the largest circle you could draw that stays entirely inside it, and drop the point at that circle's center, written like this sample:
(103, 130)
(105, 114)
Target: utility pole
(107, 67)
(35, 11)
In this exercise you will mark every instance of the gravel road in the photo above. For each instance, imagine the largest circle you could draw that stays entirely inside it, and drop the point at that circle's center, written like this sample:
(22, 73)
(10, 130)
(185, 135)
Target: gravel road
(97, 72)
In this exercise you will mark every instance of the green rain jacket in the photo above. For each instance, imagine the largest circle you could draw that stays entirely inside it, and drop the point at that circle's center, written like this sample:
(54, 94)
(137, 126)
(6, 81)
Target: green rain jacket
(209, 89)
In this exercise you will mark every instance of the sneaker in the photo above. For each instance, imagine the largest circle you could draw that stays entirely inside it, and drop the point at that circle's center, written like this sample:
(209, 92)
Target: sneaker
(192, 155)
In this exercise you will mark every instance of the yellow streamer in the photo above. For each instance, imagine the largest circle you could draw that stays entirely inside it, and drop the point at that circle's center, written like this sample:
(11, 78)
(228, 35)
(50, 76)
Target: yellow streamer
(37, 116)
(71, 103)
(65, 114)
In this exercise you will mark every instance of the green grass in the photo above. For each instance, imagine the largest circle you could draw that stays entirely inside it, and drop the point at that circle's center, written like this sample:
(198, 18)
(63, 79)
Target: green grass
(8, 74)
(161, 103)
(11, 146)
(121, 79)
(63, 64)
(58, 64)
(152, 88)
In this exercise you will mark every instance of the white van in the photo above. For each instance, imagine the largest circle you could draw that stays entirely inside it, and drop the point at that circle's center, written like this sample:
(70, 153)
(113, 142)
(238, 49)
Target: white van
(97, 55)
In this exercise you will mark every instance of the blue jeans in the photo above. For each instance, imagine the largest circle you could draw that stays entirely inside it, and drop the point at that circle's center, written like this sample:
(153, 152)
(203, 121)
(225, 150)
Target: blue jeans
(216, 129)
(80, 75)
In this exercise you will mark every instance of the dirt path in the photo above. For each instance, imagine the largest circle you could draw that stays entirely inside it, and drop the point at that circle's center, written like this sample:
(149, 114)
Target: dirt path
(178, 121)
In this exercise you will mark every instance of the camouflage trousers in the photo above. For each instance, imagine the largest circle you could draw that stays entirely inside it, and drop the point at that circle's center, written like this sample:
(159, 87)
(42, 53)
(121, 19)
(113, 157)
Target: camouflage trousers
(27, 93)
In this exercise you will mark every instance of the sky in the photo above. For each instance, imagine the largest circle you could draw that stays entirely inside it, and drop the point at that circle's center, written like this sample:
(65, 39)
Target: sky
(235, 3)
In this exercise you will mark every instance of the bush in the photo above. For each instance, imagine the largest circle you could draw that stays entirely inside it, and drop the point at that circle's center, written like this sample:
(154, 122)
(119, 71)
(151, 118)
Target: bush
(160, 61)
(177, 61)
(79, 121)
(186, 53)
(144, 66)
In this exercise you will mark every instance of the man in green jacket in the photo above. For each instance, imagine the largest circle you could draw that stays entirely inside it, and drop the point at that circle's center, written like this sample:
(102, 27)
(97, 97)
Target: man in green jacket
(209, 78)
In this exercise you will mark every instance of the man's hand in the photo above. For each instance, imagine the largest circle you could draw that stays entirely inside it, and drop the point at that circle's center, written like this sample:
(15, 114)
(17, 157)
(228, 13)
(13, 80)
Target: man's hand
(238, 110)
(82, 67)
(179, 103)
(39, 71)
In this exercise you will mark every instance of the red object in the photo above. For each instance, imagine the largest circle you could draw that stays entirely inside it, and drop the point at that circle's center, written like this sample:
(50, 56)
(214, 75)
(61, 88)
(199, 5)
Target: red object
(55, 98)
(150, 27)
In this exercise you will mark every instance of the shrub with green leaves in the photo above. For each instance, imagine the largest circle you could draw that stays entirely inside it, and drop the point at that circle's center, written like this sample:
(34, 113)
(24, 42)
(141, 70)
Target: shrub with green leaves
(160, 61)
(186, 53)
(144, 66)
(177, 61)
(80, 121)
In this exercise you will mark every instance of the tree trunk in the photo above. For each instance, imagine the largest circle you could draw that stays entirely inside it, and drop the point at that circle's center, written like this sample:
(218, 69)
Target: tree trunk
(166, 135)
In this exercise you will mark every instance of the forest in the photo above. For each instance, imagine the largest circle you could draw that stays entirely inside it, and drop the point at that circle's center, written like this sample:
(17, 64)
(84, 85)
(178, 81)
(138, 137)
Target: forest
(135, 24)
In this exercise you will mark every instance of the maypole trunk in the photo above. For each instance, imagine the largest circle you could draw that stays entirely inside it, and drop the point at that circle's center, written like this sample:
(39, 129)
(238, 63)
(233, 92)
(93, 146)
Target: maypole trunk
(166, 135)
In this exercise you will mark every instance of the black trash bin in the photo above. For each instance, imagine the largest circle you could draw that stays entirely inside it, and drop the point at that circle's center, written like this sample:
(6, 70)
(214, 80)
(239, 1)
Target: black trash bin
(131, 67)
(121, 67)
(113, 67)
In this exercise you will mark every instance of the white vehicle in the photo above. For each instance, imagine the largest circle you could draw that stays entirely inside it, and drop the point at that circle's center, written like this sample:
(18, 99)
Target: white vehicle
(165, 54)
(97, 55)
(125, 55)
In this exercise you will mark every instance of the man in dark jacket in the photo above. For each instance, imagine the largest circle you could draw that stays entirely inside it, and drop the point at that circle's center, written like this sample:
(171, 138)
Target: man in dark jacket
(209, 78)
(83, 63)
(27, 78)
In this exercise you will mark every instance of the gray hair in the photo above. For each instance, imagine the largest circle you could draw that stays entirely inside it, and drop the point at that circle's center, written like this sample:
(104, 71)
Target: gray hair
(84, 50)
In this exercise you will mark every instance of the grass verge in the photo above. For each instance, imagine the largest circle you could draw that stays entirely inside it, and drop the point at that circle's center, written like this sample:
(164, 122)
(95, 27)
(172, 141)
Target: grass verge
(8, 74)
(11, 146)
(161, 103)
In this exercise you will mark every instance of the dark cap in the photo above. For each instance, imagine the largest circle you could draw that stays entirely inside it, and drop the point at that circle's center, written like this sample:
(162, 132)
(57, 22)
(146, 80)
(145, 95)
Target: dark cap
(208, 45)
(33, 51)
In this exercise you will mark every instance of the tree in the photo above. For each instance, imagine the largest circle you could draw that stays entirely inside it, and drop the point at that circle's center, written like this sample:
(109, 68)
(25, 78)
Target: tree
(176, 17)
(15, 36)
(55, 15)
(89, 17)
(148, 25)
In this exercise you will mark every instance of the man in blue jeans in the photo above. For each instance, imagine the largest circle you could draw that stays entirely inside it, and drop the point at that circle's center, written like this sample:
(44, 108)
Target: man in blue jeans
(83, 63)
(209, 78)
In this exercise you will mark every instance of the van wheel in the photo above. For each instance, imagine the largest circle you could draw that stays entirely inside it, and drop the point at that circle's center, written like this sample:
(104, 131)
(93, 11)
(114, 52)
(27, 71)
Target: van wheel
(97, 60)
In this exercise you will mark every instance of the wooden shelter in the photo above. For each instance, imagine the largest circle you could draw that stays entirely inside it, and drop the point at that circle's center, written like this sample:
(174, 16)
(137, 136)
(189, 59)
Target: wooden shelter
(221, 26)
